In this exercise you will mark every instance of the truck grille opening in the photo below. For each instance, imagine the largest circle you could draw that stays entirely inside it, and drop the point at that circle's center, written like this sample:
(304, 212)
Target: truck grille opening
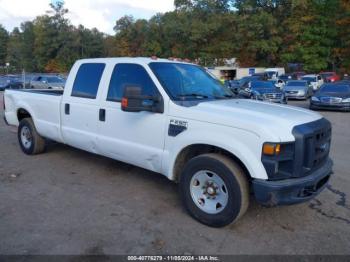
(312, 148)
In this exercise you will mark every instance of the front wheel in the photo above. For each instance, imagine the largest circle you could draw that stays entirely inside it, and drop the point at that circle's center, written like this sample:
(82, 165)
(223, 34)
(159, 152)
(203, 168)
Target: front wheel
(30, 141)
(214, 190)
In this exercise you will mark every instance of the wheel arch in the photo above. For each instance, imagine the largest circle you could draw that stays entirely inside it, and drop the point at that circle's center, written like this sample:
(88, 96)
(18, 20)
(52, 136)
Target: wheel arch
(22, 113)
(193, 150)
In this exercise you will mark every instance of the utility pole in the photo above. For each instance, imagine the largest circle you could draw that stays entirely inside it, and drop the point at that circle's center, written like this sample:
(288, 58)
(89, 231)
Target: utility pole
(7, 68)
(24, 78)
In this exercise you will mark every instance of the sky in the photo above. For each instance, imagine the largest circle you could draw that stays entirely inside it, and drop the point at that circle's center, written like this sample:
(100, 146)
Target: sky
(101, 14)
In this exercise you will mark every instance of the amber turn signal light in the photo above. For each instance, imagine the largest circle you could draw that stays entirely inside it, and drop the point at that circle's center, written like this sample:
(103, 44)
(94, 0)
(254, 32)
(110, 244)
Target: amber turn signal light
(271, 149)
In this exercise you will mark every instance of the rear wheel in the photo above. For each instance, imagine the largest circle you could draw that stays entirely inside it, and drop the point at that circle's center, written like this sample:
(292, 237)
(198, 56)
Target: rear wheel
(30, 141)
(214, 190)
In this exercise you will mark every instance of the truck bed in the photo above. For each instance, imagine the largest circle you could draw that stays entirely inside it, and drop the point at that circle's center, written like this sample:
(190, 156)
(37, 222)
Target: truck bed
(43, 105)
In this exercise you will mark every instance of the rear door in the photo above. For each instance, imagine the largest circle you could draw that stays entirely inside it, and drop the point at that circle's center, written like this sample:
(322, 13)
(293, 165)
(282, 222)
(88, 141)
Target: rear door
(79, 109)
(133, 137)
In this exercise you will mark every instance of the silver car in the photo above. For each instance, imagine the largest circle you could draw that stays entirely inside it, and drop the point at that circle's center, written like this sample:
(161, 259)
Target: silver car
(298, 89)
(47, 82)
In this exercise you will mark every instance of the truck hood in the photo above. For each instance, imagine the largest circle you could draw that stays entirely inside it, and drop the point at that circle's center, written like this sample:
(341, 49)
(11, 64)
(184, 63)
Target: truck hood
(268, 120)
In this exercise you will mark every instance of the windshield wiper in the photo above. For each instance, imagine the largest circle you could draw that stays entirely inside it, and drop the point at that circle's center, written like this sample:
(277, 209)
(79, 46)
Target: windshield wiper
(192, 95)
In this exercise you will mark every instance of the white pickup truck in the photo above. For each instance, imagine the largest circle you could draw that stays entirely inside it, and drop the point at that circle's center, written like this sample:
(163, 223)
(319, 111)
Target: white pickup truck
(175, 119)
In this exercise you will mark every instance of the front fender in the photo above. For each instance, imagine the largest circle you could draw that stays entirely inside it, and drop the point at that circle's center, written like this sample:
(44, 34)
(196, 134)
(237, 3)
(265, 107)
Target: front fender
(245, 145)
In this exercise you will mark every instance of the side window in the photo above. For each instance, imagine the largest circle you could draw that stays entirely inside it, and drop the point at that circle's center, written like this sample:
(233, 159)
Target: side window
(129, 75)
(87, 80)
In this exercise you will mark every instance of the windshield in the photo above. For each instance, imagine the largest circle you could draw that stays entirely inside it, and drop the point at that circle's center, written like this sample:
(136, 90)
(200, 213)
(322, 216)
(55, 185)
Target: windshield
(54, 79)
(185, 81)
(262, 85)
(271, 73)
(335, 89)
(296, 83)
(309, 79)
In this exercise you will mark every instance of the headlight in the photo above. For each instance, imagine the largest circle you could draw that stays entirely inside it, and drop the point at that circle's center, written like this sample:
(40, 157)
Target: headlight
(271, 149)
(302, 92)
(314, 98)
(346, 100)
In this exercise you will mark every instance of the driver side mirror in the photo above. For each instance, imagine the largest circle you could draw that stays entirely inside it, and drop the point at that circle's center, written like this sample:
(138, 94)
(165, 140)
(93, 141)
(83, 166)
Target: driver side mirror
(134, 101)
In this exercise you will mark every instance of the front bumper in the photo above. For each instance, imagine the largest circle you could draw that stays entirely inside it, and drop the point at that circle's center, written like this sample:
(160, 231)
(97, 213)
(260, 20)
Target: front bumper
(324, 106)
(296, 96)
(294, 190)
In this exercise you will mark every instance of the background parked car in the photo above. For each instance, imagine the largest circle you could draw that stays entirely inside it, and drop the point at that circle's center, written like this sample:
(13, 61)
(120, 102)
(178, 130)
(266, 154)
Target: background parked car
(330, 76)
(3, 83)
(274, 73)
(47, 82)
(298, 89)
(237, 85)
(315, 81)
(332, 96)
(10, 82)
(264, 91)
(346, 77)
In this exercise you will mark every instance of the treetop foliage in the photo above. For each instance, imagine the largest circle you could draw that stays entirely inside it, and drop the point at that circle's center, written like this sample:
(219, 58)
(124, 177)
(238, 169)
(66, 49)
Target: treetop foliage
(315, 33)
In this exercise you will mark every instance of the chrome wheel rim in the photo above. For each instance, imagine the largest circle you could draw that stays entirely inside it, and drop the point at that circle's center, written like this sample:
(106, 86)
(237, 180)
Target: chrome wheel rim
(26, 137)
(209, 192)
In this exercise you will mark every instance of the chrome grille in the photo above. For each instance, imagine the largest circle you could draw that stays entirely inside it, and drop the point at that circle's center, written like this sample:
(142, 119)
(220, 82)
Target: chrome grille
(273, 96)
(331, 100)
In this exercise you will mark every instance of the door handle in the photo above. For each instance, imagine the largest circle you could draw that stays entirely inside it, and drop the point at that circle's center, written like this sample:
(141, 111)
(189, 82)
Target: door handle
(102, 115)
(67, 109)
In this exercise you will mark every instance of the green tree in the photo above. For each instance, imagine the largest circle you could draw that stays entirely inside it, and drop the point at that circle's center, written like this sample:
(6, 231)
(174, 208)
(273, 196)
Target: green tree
(27, 46)
(3, 45)
(14, 49)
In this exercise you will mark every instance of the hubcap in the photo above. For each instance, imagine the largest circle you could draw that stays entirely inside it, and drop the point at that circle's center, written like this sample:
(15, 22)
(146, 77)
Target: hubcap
(209, 192)
(26, 137)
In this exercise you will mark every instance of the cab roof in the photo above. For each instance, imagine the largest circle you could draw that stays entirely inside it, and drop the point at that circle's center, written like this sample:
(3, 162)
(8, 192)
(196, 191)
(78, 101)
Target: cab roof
(138, 60)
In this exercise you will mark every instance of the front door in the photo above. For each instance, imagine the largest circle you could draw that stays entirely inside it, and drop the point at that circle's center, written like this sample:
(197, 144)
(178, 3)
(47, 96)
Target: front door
(136, 138)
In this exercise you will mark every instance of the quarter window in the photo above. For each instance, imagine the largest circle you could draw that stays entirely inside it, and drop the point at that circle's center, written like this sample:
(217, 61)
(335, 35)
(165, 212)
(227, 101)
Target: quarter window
(87, 80)
(129, 75)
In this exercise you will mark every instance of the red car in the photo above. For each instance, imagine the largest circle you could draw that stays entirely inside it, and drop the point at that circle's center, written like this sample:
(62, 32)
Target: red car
(330, 76)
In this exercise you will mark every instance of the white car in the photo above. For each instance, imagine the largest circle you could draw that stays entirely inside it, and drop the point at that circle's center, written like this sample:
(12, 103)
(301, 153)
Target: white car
(275, 73)
(173, 118)
(314, 80)
(47, 82)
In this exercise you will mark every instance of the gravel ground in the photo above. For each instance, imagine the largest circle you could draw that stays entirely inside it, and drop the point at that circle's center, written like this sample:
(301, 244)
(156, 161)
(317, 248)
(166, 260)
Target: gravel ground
(68, 201)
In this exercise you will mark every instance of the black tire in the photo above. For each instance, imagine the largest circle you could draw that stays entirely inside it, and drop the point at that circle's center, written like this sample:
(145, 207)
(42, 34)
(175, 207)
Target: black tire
(37, 142)
(236, 183)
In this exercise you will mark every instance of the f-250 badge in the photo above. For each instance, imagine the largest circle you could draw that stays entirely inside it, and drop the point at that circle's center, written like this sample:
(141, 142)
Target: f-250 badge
(176, 127)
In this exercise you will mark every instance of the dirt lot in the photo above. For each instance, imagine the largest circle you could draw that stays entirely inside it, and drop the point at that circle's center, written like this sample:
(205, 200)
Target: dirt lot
(71, 202)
